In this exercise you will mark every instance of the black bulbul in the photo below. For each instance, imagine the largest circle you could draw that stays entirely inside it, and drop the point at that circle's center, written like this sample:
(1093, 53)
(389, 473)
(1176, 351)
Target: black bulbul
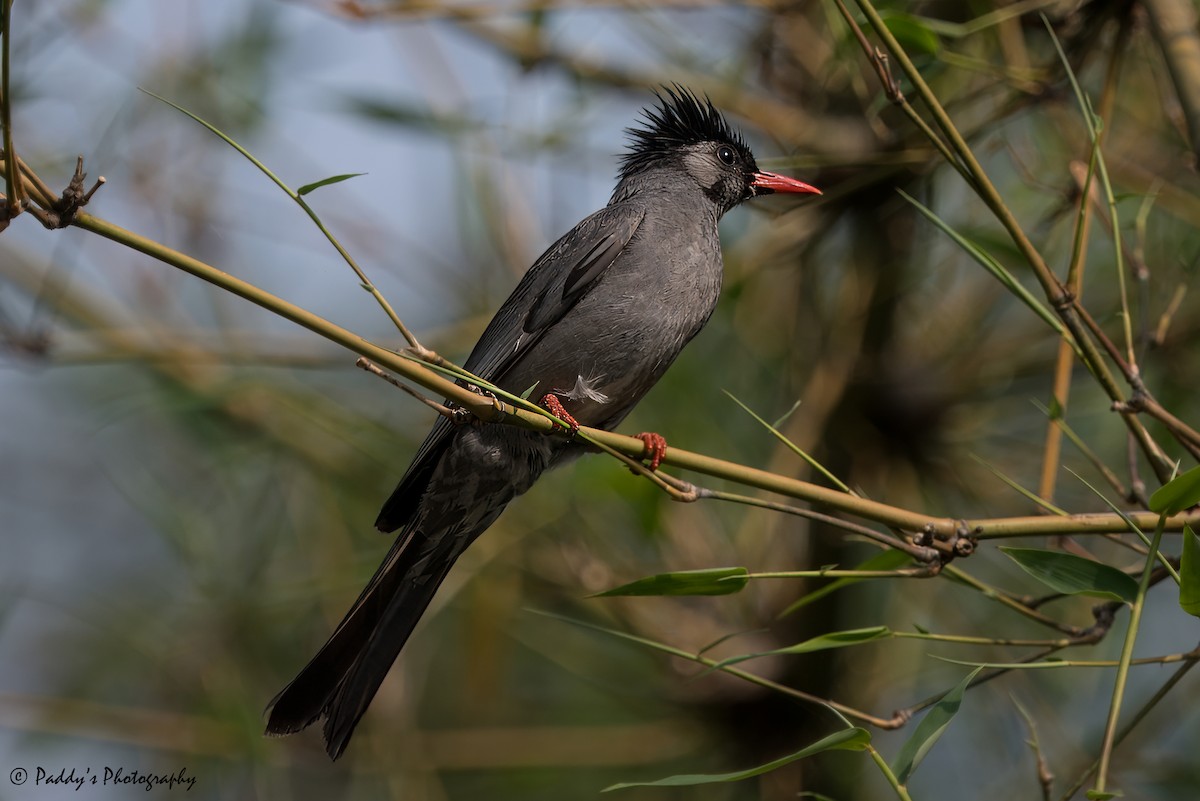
(593, 325)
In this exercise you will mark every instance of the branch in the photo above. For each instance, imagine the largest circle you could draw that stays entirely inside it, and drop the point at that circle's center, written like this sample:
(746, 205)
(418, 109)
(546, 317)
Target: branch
(947, 533)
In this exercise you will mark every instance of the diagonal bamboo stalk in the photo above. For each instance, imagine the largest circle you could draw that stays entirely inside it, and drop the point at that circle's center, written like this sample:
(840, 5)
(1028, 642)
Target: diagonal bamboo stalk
(494, 410)
(1063, 301)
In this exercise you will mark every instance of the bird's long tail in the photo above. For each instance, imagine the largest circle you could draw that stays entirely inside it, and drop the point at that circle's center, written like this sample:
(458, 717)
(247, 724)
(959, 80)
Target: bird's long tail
(340, 681)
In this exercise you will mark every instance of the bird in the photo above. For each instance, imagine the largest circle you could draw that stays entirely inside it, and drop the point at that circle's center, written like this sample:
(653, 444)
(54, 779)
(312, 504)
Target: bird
(591, 326)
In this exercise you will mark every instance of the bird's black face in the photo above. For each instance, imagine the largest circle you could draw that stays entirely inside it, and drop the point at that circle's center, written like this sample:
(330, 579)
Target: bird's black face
(689, 133)
(727, 173)
(723, 170)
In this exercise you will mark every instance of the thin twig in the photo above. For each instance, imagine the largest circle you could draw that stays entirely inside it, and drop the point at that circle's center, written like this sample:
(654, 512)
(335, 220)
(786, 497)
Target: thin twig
(920, 553)
(39, 189)
(1142, 402)
(1017, 606)
(375, 369)
(1044, 776)
(14, 187)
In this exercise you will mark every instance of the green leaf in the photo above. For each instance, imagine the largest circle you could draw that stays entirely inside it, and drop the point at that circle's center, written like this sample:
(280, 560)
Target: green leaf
(836, 639)
(884, 560)
(710, 581)
(1189, 573)
(525, 395)
(854, 739)
(793, 447)
(1028, 493)
(931, 728)
(1051, 663)
(1100, 795)
(1121, 513)
(912, 32)
(1074, 575)
(225, 138)
(989, 263)
(336, 179)
(1054, 410)
(1177, 494)
(783, 418)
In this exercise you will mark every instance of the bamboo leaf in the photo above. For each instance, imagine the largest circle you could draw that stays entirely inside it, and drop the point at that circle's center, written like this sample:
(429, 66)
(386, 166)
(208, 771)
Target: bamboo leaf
(1177, 494)
(1028, 493)
(336, 179)
(912, 32)
(854, 739)
(931, 728)
(1164, 561)
(1049, 664)
(783, 418)
(793, 447)
(823, 642)
(226, 138)
(1074, 575)
(992, 266)
(1189, 573)
(710, 581)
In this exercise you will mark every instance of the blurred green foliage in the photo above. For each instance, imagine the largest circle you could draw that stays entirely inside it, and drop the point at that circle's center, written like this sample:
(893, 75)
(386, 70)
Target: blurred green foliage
(189, 485)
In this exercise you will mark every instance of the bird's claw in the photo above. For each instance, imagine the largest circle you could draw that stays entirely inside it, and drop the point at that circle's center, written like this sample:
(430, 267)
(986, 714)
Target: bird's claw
(656, 448)
(555, 407)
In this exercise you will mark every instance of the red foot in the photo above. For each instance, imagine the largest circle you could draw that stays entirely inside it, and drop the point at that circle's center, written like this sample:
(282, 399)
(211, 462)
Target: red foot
(656, 448)
(554, 405)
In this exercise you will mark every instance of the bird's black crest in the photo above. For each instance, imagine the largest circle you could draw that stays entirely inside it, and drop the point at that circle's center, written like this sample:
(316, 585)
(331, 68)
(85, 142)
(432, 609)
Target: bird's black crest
(681, 118)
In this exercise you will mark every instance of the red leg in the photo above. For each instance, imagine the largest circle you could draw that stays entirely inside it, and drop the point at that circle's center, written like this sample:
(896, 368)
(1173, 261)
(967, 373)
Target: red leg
(656, 448)
(554, 405)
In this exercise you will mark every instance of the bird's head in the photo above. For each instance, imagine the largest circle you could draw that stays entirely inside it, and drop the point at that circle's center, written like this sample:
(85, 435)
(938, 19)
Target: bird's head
(688, 138)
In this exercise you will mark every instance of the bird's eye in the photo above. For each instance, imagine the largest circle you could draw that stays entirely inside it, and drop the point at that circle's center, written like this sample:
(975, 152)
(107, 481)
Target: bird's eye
(725, 154)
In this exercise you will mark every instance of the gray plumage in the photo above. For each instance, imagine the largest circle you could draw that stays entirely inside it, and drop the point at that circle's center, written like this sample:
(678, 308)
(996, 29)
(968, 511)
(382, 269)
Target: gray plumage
(596, 320)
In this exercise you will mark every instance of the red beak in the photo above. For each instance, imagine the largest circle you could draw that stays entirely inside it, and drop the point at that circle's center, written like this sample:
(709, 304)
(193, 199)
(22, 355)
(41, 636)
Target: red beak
(765, 182)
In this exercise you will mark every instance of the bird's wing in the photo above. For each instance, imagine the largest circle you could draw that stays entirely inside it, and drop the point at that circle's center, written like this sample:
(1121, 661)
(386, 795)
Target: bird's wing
(400, 506)
(553, 285)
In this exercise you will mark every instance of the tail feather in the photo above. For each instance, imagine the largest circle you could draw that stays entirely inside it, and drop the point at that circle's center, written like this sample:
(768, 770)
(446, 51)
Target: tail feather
(354, 694)
(343, 677)
(440, 510)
